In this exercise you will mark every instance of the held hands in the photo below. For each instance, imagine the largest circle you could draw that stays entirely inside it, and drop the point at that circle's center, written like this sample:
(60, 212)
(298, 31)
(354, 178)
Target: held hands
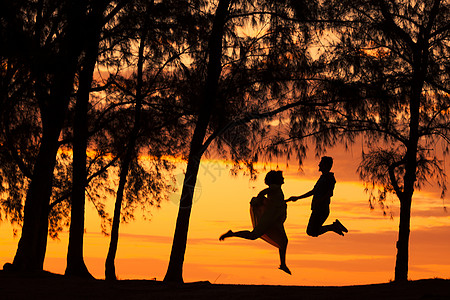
(295, 198)
(292, 199)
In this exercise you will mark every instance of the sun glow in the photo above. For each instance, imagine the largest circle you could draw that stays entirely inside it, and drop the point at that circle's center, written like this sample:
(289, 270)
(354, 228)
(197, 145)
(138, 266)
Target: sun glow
(221, 202)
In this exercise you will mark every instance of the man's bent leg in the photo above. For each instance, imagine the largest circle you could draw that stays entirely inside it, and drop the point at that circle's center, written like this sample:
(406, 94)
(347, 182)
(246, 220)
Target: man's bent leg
(318, 217)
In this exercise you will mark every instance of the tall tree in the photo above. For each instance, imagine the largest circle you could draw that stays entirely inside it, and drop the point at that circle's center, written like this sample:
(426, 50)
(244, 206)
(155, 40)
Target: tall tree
(174, 271)
(54, 48)
(247, 78)
(47, 39)
(110, 272)
(385, 69)
(75, 261)
(157, 41)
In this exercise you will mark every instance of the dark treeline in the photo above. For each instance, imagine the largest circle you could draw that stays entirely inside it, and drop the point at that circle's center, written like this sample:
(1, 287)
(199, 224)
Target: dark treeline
(88, 88)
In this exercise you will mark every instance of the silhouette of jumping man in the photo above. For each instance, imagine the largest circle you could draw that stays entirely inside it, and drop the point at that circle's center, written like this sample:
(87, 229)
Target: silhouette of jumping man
(320, 204)
(268, 212)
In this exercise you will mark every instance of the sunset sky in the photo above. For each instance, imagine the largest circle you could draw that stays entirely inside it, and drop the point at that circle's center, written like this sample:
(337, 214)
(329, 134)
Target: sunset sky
(365, 255)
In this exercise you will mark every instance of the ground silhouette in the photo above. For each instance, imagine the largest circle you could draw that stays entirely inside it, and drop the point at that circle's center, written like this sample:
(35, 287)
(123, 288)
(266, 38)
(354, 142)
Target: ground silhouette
(53, 286)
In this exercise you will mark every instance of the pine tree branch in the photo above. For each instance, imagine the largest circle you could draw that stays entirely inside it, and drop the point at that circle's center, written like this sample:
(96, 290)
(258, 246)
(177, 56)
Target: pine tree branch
(115, 11)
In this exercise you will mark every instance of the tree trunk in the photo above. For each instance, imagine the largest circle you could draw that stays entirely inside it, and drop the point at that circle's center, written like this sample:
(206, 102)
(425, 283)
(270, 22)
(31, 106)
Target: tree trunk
(175, 269)
(32, 245)
(75, 260)
(401, 263)
(33, 242)
(420, 63)
(110, 269)
(53, 104)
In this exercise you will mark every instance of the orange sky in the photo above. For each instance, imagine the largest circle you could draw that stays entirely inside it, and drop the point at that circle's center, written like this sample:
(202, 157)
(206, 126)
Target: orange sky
(365, 255)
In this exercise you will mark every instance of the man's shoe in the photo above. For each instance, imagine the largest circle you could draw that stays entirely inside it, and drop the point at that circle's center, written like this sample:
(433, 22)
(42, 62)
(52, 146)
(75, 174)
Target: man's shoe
(340, 226)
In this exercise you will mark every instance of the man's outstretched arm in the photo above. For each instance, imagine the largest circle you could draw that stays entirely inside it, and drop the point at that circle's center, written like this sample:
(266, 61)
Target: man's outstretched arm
(295, 198)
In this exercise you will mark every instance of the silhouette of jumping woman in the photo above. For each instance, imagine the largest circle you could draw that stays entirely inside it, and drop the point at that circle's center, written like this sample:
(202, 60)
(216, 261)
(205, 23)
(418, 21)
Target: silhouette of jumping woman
(320, 204)
(268, 212)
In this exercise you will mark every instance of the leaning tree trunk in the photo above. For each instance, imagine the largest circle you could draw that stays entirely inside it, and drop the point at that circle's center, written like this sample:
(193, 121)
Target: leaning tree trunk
(31, 250)
(53, 106)
(32, 246)
(110, 269)
(175, 269)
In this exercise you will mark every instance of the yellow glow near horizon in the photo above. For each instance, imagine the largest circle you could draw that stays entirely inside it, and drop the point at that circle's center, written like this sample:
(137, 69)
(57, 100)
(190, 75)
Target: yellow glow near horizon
(365, 255)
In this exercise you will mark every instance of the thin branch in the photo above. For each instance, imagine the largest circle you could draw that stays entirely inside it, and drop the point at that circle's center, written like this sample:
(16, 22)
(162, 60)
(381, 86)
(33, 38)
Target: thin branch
(256, 116)
(393, 179)
(437, 85)
(104, 168)
(432, 17)
(427, 128)
(101, 88)
(65, 196)
(443, 29)
(115, 11)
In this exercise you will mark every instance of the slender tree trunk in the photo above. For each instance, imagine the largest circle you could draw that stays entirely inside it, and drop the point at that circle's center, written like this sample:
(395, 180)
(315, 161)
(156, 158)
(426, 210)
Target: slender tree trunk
(420, 64)
(401, 264)
(110, 269)
(175, 269)
(75, 260)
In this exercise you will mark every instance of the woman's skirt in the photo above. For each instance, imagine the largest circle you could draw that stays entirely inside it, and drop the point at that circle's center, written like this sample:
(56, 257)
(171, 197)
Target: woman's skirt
(268, 223)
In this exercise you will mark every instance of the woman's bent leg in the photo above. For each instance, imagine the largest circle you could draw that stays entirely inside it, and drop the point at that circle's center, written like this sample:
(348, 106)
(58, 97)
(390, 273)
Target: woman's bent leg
(248, 235)
(245, 234)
